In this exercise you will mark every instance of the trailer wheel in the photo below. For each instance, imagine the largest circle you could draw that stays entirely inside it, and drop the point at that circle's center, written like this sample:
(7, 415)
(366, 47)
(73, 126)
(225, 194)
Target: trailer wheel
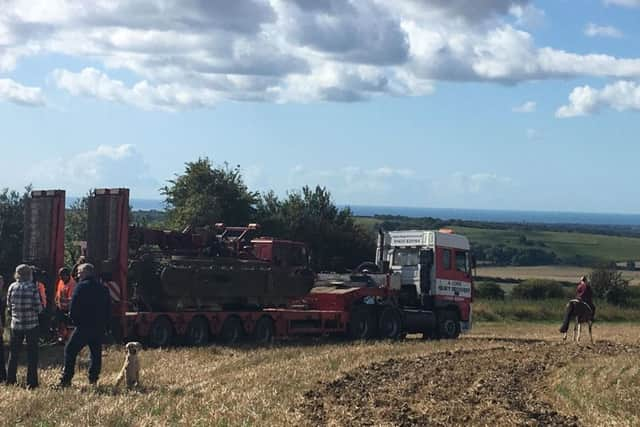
(198, 332)
(161, 333)
(390, 324)
(362, 323)
(232, 330)
(264, 331)
(448, 325)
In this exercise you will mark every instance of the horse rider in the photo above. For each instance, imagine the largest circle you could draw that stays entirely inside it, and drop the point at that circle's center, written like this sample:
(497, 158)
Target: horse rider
(585, 294)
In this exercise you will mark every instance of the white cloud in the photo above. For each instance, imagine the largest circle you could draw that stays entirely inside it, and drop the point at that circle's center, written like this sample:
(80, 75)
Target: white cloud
(585, 100)
(593, 30)
(533, 134)
(478, 182)
(486, 190)
(16, 93)
(382, 185)
(528, 16)
(195, 53)
(625, 3)
(93, 83)
(105, 166)
(527, 107)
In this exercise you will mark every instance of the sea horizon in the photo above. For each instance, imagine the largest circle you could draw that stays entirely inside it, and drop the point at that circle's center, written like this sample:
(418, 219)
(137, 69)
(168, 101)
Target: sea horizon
(484, 215)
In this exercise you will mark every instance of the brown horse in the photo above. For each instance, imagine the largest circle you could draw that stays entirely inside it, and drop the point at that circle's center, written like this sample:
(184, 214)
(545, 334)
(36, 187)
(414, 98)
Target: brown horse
(580, 312)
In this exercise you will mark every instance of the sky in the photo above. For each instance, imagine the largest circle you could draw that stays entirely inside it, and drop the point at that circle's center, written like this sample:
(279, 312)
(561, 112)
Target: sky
(490, 104)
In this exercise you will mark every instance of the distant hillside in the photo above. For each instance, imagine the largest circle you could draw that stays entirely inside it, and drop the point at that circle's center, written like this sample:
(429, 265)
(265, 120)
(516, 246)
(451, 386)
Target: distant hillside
(530, 244)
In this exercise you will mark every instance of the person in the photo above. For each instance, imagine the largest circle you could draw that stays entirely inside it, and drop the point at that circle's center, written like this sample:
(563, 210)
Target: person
(23, 306)
(64, 292)
(90, 310)
(74, 270)
(585, 294)
(3, 370)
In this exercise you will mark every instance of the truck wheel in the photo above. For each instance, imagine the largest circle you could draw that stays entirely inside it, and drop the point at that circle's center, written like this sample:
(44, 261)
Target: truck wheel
(362, 323)
(371, 267)
(198, 332)
(448, 325)
(161, 333)
(390, 325)
(232, 330)
(264, 331)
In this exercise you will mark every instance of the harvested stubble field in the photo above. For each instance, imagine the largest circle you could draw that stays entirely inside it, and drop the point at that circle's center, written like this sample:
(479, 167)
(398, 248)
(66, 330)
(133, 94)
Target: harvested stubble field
(561, 273)
(501, 374)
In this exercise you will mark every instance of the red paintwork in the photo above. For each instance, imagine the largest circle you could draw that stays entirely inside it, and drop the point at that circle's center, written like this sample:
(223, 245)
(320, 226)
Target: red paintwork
(318, 313)
(449, 272)
(53, 258)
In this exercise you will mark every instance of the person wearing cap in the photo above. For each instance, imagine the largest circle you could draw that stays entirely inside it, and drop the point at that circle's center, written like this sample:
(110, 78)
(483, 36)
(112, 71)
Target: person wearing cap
(585, 294)
(64, 292)
(23, 307)
(74, 270)
(90, 310)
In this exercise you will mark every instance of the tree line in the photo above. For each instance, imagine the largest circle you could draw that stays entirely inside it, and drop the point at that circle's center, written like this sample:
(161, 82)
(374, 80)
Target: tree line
(204, 194)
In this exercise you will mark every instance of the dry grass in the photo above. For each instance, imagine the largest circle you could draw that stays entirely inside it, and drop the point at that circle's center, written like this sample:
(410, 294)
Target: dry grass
(238, 386)
(205, 386)
(604, 391)
(563, 273)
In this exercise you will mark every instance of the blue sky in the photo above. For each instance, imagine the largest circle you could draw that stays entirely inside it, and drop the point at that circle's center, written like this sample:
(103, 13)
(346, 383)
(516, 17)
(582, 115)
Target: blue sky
(493, 104)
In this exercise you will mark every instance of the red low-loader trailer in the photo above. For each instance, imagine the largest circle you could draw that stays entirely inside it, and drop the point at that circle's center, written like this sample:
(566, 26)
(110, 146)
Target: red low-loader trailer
(360, 309)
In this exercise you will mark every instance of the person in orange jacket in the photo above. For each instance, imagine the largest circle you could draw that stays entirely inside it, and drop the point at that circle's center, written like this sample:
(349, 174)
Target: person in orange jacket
(64, 292)
(64, 289)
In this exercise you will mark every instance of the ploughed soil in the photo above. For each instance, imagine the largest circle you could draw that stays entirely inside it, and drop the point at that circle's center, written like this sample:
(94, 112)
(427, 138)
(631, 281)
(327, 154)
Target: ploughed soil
(502, 385)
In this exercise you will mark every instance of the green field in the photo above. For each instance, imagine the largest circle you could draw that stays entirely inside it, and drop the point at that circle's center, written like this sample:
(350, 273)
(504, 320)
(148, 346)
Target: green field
(564, 244)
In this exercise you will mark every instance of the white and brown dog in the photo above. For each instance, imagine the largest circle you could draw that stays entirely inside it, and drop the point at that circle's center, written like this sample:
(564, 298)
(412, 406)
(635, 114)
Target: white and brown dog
(131, 370)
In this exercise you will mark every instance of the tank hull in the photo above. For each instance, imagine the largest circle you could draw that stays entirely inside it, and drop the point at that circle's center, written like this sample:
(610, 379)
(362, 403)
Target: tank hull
(222, 283)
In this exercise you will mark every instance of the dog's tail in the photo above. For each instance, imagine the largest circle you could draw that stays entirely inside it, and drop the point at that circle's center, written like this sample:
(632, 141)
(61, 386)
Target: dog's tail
(120, 378)
(567, 317)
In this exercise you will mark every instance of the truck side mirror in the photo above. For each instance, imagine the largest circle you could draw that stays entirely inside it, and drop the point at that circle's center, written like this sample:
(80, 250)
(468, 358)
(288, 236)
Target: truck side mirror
(426, 257)
(385, 267)
(473, 262)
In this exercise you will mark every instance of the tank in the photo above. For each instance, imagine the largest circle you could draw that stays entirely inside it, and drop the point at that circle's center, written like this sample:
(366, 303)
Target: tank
(219, 275)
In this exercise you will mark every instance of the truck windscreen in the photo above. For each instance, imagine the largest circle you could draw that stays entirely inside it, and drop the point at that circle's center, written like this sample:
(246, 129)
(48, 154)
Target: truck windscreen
(405, 257)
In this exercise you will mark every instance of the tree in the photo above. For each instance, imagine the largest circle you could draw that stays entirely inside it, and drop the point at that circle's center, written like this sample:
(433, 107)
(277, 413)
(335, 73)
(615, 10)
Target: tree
(204, 195)
(11, 230)
(75, 229)
(607, 283)
(336, 241)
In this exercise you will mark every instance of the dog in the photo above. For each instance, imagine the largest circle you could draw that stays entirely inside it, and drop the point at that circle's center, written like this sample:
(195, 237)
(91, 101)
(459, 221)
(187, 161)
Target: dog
(131, 370)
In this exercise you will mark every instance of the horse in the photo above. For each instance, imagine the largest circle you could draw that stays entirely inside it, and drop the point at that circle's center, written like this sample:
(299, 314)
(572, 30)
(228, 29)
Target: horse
(581, 313)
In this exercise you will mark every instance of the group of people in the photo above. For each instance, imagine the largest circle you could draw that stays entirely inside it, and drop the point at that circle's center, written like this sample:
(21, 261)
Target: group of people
(84, 303)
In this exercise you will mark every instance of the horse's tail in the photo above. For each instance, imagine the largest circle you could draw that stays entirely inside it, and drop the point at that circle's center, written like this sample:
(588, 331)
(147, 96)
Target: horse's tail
(567, 317)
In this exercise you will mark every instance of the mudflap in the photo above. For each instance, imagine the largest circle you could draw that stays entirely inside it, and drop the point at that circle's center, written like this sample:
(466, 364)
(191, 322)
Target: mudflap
(466, 326)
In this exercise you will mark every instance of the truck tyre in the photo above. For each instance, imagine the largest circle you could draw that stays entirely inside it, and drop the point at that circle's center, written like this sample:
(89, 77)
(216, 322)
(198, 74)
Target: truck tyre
(232, 331)
(161, 333)
(448, 325)
(264, 331)
(371, 267)
(198, 332)
(363, 324)
(390, 324)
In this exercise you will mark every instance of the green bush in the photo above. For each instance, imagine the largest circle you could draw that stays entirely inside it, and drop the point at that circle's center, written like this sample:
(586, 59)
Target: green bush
(489, 290)
(609, 284)
(539, 289)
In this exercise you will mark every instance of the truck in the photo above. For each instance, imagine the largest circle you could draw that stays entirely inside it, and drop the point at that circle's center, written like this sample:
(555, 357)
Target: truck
(232, 285)
(436, 281)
